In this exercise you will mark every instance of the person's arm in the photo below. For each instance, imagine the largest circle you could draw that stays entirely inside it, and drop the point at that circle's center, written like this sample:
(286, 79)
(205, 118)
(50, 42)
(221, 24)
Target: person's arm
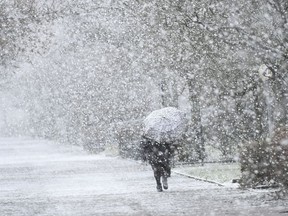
(145, 147)
(143, 150)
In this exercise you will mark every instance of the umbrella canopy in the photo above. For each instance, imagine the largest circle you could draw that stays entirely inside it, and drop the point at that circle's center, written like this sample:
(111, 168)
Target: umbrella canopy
(165, 125)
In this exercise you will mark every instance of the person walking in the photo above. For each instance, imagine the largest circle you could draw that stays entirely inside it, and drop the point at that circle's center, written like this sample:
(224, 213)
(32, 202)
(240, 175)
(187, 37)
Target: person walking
(158, 155)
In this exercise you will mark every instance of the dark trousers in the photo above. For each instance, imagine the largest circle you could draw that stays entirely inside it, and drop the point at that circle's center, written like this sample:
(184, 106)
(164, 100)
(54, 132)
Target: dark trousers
(161, 169)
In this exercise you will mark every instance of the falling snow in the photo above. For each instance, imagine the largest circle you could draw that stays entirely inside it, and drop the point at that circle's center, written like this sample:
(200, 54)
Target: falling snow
(86, 74)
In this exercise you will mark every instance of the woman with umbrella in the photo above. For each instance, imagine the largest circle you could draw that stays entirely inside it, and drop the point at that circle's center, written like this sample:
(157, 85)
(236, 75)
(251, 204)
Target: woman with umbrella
(162, 129)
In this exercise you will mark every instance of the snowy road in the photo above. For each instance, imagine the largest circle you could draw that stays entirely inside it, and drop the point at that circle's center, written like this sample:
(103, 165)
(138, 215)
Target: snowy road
(42, 178)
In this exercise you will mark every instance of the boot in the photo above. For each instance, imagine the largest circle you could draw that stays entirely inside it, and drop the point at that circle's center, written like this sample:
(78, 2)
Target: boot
(159, 188)
(165, 183)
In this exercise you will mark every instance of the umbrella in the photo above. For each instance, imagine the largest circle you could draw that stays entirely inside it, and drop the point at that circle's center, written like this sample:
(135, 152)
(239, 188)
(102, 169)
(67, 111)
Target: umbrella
(165, 125)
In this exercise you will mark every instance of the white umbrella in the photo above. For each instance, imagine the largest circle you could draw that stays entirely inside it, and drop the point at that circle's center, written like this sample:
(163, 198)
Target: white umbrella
(165, 125)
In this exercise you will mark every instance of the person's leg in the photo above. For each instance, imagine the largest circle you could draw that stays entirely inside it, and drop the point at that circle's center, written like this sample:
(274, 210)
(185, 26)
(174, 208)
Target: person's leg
(157, 175)
(166, 174)
(165, 182)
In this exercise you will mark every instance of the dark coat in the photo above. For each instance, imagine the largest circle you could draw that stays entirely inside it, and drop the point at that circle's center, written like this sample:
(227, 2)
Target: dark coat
(156, 153)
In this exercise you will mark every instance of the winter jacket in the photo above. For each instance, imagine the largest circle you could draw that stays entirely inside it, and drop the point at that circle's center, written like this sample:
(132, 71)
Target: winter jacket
(155, 152)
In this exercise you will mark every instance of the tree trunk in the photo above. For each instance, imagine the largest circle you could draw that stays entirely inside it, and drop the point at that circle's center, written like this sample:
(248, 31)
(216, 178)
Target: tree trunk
(280, 94)
(270, 104)
(164, 90)
(260, 112)
(196, 119)
(169, 94)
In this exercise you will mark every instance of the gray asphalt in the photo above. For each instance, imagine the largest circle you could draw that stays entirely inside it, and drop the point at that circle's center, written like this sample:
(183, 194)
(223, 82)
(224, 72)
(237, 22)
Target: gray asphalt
(44, 178)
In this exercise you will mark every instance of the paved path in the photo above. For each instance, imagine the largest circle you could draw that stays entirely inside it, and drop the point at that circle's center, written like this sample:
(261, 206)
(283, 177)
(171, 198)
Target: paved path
(42, 178)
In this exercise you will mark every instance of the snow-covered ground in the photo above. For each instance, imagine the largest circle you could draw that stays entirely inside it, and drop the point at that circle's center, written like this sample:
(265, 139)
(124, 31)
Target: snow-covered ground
(38, 177)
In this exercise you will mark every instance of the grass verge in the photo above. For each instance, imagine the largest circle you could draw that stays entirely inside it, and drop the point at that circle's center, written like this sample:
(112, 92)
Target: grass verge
(217, 172)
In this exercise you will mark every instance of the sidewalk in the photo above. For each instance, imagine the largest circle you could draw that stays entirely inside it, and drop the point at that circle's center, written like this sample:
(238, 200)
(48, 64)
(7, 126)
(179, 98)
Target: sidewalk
(44, 178)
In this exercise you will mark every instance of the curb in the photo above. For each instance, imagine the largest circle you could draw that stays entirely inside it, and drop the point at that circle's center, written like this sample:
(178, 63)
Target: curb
(198, 179)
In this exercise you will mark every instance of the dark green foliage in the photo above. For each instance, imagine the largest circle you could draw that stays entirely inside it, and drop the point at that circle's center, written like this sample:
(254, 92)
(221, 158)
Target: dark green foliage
(266, 162)
(255, 164)
(279, 157)
(128, 138)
